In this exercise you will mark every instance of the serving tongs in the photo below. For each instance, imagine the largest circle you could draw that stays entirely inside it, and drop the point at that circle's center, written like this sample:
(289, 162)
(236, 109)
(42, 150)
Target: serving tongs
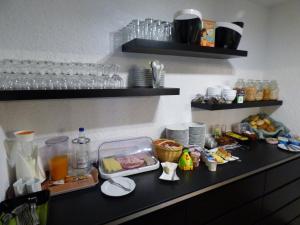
(111, 181)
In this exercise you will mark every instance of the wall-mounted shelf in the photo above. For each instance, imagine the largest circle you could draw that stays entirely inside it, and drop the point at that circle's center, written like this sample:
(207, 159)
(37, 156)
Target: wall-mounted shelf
(212, 107)
(90, 93)
(177, 49)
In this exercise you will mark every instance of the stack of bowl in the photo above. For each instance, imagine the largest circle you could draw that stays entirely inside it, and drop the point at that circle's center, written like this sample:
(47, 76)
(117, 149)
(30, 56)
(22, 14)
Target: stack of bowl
(213, 92)
(229, 95)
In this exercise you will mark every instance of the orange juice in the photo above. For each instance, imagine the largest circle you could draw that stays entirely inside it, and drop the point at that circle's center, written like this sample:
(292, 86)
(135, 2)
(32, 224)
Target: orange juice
(58, 166)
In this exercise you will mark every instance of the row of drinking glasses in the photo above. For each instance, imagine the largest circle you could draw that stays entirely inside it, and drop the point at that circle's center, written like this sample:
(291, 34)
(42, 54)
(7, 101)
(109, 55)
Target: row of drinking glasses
(148, 29)
(46, 75)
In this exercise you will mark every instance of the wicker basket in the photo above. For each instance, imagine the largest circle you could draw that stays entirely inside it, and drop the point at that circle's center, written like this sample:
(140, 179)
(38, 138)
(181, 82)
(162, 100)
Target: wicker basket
(166, 154)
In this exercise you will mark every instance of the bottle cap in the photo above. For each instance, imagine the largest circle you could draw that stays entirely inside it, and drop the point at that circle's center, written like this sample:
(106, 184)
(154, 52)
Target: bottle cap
(81, 129)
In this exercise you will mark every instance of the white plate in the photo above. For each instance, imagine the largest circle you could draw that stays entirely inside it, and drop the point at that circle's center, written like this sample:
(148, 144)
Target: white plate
(285, 147)
(115, 191)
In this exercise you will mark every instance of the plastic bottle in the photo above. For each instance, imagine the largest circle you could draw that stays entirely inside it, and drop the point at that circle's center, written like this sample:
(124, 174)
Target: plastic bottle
(81, 162)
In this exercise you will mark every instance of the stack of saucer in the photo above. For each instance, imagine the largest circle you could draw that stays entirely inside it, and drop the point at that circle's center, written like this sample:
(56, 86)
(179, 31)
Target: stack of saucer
(178, 133)
(142, 77)
(197, 132)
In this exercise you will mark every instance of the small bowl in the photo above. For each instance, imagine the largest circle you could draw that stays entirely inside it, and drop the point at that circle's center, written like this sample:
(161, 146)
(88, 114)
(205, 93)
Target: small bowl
(294, 141)
(283, 140)
(24, 135)
(229, 97)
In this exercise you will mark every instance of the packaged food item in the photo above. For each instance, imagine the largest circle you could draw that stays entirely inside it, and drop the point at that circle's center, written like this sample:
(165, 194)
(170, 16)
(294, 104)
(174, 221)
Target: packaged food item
(250, 91)
(225, 140)
(185, 161)
(208, 33)
(237, 136)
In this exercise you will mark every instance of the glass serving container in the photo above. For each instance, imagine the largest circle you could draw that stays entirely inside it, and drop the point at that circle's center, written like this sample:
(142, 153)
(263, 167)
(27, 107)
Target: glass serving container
(267, 90)
(126, 157)
(259, 91)
(250, 91)
(274, 90)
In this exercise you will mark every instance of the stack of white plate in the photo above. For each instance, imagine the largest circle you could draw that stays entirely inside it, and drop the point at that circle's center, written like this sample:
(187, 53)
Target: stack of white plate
(143, 77)
(197, 132)
(213, 92)
(178, 133)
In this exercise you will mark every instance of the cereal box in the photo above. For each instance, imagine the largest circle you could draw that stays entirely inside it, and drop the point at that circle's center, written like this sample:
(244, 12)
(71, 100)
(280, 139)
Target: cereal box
(208, 33)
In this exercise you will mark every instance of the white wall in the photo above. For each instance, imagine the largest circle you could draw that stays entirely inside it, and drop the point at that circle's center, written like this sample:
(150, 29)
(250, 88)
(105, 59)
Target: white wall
(73, 30)
(283, 61)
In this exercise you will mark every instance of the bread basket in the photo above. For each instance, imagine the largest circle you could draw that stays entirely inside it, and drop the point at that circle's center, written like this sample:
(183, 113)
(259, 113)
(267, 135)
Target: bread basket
(167, 150)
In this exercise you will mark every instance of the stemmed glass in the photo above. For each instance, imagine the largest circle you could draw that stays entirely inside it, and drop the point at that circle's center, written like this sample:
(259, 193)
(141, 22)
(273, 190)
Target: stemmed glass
(116, 81)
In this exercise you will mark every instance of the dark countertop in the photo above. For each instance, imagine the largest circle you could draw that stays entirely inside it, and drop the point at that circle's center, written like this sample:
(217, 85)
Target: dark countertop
(91, 207)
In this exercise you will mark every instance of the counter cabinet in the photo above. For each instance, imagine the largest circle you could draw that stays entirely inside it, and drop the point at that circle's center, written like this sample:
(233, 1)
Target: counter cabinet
(271, 197)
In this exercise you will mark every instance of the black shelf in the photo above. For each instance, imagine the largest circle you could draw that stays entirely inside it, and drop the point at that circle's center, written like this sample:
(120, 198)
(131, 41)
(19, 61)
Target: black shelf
(177, 49)
(89, 93)
(213, 107)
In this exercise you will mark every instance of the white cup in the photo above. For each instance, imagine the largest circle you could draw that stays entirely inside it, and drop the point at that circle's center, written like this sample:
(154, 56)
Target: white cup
(33, 185)
(19, 187)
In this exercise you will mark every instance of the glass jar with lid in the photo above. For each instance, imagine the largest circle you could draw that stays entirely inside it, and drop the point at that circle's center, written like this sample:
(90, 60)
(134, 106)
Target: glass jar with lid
(266, 90)
(250, 91)
(259, 90)
(274, 95)
(240, 90)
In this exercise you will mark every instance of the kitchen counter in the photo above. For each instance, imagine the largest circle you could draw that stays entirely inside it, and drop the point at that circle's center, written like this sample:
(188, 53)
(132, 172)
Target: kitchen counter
(91, 207)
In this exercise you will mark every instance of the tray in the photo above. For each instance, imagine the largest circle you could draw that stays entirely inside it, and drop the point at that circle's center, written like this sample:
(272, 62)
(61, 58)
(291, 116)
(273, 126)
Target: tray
(140, 147)
(82, 183)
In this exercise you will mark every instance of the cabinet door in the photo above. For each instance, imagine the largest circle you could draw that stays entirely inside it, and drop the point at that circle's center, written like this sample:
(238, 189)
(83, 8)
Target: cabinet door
(213, 204)
(245, 215)
(282, 174)
(280, 197)
(172, 215)
(284, 215)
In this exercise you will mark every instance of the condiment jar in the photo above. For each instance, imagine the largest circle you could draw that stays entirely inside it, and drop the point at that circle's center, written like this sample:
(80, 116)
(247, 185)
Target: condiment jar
(259, 91)
(240, 91)
(267, 90)
(250, 91)
(185, 161)
(274, 90)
